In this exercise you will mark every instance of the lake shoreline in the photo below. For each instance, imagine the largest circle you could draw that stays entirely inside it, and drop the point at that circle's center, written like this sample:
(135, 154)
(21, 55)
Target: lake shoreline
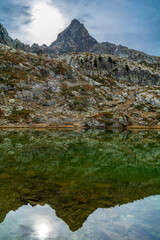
(74, 126)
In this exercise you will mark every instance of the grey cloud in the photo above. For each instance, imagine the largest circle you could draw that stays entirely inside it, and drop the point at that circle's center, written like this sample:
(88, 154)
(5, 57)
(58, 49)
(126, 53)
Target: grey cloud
(13, 15)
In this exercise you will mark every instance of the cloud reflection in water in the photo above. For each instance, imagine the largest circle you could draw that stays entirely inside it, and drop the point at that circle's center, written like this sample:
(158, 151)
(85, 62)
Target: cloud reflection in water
(133, 220)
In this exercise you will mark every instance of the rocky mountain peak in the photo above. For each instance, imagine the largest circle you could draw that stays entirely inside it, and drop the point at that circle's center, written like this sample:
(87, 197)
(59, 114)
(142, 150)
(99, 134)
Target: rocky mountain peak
(76, 25)
(75, 38)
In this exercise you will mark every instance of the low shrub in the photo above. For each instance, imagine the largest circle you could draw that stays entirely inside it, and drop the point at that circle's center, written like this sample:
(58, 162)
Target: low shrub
(1, 112)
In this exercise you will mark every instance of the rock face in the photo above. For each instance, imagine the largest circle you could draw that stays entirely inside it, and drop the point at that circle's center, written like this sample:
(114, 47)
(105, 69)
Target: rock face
(74, 38)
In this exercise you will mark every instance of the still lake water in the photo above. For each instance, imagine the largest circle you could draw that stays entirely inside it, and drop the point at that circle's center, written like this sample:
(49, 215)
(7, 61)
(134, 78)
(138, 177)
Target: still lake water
(92, 185)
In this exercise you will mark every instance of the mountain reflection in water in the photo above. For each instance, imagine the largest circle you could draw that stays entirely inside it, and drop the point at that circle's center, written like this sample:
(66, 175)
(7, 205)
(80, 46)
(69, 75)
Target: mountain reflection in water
(83, 177)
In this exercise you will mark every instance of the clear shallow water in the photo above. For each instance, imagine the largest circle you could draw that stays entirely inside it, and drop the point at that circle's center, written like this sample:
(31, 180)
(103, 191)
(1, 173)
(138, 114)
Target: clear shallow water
(89, 185)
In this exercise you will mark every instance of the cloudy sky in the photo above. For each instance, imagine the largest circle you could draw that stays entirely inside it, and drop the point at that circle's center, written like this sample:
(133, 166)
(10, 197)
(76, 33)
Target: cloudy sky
(132, 23)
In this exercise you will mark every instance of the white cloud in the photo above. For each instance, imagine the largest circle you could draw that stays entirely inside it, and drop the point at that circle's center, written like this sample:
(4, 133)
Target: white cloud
(47, 22)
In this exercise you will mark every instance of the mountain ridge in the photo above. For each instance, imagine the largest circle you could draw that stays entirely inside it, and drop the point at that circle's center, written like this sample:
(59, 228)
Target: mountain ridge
(75, 38)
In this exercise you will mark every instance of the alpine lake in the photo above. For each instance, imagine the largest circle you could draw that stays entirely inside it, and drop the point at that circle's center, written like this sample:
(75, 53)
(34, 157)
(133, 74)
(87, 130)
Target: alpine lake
(88, 185)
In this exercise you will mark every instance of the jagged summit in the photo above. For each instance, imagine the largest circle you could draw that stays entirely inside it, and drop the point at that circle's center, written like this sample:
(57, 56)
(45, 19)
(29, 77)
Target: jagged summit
(75, 38)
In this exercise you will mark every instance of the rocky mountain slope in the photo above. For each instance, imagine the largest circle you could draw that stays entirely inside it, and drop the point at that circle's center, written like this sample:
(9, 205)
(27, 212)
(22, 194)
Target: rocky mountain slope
(92, 89)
